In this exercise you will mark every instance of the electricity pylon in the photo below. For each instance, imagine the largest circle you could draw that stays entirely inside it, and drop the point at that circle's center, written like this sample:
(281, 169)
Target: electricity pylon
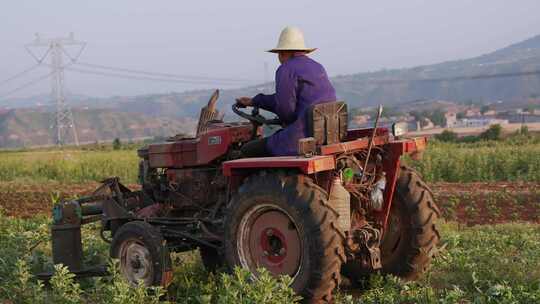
(63, 121)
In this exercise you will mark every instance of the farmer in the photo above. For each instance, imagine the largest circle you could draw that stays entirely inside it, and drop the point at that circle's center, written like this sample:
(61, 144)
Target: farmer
(300, 83)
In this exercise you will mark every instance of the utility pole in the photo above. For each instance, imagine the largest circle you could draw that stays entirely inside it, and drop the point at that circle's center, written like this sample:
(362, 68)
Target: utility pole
(63, 121)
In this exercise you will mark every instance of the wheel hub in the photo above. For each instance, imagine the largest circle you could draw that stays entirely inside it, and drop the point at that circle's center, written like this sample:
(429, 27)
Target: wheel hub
(136, 263)
(274, 244)
(270, 239)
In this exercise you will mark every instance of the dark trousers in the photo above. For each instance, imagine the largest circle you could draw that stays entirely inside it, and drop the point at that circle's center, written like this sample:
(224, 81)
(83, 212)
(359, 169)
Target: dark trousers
(255, 148)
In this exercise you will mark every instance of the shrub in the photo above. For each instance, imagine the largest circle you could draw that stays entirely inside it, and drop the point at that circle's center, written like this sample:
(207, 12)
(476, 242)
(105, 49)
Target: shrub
(447, 136)
(240, 288)
(22, 288)
(494, 132)
(64, 289)
(116, 290)
(117, 144)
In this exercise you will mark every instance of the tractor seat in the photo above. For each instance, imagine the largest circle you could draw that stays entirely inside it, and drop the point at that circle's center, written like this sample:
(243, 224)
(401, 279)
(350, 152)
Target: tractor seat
(327, 122)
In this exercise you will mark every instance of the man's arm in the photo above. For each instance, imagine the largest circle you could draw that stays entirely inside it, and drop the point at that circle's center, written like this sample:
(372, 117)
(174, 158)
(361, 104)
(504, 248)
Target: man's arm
(266, 102)
(283, 102)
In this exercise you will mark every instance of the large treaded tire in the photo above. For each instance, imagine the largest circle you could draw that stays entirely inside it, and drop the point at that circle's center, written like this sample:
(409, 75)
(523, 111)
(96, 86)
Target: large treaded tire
(408, 250)
(146, 239)
(315, 221)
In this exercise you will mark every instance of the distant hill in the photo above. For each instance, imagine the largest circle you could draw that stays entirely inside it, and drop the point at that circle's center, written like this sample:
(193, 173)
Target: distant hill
(389, 87)
(29, 127)
(115, 116)
(404, 85)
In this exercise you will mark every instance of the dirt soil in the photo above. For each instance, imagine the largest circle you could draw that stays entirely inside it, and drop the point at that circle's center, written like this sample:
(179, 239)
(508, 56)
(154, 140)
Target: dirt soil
(26, 200)
(470, 203)
(489, 203)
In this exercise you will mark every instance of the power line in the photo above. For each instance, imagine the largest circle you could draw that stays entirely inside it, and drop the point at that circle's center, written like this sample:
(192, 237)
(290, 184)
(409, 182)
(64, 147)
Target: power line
(24, 86)
(19, 74)
(186, 77)
(134, 77)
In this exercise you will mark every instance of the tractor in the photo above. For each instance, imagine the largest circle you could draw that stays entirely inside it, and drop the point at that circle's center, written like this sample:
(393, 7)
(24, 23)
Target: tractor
(344, 206)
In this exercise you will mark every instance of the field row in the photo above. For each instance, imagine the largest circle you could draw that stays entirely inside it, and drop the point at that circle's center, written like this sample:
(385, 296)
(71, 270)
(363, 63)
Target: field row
(483, 161)
(450, 162)
(474, 203)
(481, 264)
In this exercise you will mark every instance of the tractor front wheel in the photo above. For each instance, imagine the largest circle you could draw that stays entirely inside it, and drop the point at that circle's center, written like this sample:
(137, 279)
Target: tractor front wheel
(411, 236)
(143, 254)
(285, 225)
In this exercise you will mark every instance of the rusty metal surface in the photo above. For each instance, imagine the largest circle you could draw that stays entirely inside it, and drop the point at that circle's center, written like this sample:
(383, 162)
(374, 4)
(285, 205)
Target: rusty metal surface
(212, 144)
(194, 187)
(208, 113)
(327, 122)
(305, 165)
(306, 147)
(173, 154)
(353, 145)
(391, 166)
(365, 132)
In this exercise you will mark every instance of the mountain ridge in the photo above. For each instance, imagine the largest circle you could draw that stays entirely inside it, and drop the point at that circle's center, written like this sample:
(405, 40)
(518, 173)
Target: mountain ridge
(450, 80)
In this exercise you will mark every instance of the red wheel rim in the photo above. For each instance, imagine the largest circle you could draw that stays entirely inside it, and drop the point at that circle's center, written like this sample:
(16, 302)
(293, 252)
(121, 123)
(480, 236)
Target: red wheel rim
(269, 238)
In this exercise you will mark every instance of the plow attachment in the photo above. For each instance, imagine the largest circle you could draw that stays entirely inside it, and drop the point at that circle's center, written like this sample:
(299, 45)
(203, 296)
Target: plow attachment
(112, 204)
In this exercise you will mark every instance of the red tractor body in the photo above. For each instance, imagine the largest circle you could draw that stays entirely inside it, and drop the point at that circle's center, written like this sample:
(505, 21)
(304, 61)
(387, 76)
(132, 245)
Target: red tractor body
(331, 207)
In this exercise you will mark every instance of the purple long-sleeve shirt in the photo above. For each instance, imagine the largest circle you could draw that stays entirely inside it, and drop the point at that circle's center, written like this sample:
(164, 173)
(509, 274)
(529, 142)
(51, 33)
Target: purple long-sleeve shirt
(300, 83)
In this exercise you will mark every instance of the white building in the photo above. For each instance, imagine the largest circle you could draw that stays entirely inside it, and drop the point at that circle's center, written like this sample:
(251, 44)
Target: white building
(479, 122)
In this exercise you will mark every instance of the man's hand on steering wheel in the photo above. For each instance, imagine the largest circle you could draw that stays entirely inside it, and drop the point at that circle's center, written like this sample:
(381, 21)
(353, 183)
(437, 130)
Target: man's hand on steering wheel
(243, 102)
(255, 117)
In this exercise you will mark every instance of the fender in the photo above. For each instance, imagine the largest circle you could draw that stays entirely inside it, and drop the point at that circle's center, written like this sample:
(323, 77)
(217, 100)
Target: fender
(308, 165)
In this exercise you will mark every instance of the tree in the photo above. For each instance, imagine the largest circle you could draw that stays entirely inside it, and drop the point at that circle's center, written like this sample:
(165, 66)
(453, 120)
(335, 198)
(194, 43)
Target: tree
(438, 117)
(493, 133)
(460, 115)
(117, 144)
(524, 130)
(484, 109)
(447, 136)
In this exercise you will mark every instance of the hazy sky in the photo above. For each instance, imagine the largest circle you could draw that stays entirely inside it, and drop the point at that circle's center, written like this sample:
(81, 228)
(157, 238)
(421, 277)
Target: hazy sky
(228, 38)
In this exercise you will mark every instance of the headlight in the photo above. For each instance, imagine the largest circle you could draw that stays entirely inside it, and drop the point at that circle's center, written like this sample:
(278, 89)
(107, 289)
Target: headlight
(400, 128)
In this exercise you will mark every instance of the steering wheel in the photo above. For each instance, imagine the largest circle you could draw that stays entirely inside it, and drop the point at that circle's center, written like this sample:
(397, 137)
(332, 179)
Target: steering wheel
(255, 117)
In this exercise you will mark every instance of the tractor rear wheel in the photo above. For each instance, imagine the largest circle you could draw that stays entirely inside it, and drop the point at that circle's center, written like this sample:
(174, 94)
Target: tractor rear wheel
(143, 254)
(411, 237)
(285, 224)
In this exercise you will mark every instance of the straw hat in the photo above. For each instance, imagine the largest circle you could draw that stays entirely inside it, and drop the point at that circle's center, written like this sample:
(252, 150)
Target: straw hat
(291, 39)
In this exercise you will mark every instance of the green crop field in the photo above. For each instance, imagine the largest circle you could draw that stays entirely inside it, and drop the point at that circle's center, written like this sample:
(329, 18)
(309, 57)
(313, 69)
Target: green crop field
(481, 264)
(497, 263)
(73, 166)
(510, 160)
(483, 161)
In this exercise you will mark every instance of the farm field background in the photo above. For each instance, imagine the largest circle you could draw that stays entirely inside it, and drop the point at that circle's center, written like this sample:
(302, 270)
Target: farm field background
(489, 194)
(515, 159)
